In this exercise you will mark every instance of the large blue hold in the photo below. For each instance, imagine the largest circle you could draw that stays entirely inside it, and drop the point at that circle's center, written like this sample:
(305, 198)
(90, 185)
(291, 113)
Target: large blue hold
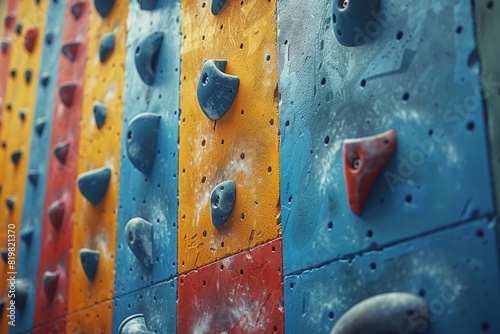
(142, 136)
(222, 202)
(104, 7)
(94, 184)
(148, 4)
(217, 6)
(90, 262)
(146, 57)
(107, 46)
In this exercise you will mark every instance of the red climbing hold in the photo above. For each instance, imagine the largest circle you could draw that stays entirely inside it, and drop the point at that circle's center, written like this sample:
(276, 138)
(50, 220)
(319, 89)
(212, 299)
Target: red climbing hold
(49, 282)
(363, 160)
(77, 9)
(67, 93)
(30, 38)
(61, 151)
(70, 50)
(9, 20)
(56, 213)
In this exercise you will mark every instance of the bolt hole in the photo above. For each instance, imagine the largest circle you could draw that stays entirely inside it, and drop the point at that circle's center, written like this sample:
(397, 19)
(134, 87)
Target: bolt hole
(130, 236)
(408, 198)
(363, 83)
(204, 233)
(470, 126)
(356, 164)
(373, 266)
(241, 46)
(490, 4)
(204, 283)
(485, 326)
(459, 30)
(323, 81)
(406, 96)
(369, 233)
(330, 225)
(273, 249)
(137, 50)
(331, 315)
(203, 142)
(334, 18)
(271, 121)
(241, 271)
(327, 140)
(129, 135)
(339, 32)
(421, 293)
(480, 233)
(242, 155)
(269, 169)
(203, 179)
(399, 35)
(268, 58)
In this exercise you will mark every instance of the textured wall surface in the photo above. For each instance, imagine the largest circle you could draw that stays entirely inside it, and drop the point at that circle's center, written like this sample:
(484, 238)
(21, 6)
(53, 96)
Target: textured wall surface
(249, 166)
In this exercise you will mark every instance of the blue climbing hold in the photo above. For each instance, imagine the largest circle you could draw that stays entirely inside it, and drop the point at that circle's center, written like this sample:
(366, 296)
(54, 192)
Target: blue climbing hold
(351, 15)
(94, 184)
(40, 125)
(146, 57)
(107, 46)
(27, 75)
(222, 202)
(61, 151)
(216, 90)
(142, 136)
(217, 6)
(90, 262)
(139, 236)
(9, 201)
(44, 79)
(22, 290)
(16, 156)
(27, 234)
(104, 7)
(148, 4)
(33, 177)
(99, 114)
(22, 115)
(19, 28)
(48, 38)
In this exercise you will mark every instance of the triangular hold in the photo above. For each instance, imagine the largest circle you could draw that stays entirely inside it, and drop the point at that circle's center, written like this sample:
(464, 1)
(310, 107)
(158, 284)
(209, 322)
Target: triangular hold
(90, 261)
(30, 38)
(49, 282)
(27, 75)
(217, 6)
(104, 7)
(40, 125)
(67, 93)
(77, 9)
(146, 57)
(61, 151)
(10, 202)
(107, 46)
(94, 184)
(44, 80)
(27, 234)
(22, 291)
(139, 236)
(16, 156)
(70, 50)
(33, 177)
(141, 139)
(99, 114)
(56, 213)
(364, 159)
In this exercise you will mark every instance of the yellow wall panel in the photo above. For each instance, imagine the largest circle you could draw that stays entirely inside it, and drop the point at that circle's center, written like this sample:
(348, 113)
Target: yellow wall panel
(95, 320)
(242, 145)
(95, 226)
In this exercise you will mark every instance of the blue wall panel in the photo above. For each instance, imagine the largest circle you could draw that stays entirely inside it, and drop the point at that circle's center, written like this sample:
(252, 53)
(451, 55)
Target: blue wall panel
(33, 211)
(455, 270)
(416, 73)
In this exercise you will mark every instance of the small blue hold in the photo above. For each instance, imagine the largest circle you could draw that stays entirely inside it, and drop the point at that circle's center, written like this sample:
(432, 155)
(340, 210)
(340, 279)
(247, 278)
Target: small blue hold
(27, 235)
(222, 202)
(27, 75)
(16, 156)
(104, 7)
(10, 203)
(99, 114)
(22, 115)
(217, 6)
(146, 57)
(107, 46)
(33, 177)
(142, 136)
(40, 125)
(44, 80)
(148, 4)
(90, 262)
(94, 184)
(48, 38)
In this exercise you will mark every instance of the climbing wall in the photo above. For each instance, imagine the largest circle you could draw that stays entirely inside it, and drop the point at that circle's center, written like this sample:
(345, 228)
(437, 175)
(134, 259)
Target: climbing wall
(249, 166)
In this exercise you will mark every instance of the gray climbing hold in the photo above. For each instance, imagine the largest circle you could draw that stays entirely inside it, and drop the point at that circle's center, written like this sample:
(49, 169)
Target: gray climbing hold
(27, 75)
(222, 202)
(40, 125)
(134, 324)
(142, 136)
(33, 177)
(44, 80)
(148, 4)
(70, 50)
(139, 236)
(104, 7)
(22, 291)
(77, 9)
(381, 314)
(56, 213)
(99, 114)
(216, 90)
(61, 151)
(94, 184)
(10, 202)
(217, 6)
(49, 283)
(146, 57)
(107, 46)
(67, 93)
(27, 234)
(16, 156)
(350, 17)
(90, 262)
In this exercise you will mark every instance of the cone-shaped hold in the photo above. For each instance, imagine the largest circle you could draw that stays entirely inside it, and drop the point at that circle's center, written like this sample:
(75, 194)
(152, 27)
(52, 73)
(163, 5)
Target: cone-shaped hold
(148, 4)
(49, 283)
(94, 184)
(67, 93)
(222, 202)
(27, 75)
(9, 20)
(142, 136)
(13, 73)
(19, 28)
(27, 234)
(103, 7)
(146, 57)
(44, 79)
(384, 313)
(22, 290)
(40, 125)
(16, 156)
(33, 177)
(134, 324)
(363, 160)
(99, 114)
(5, 45)
(107, 46)
(70, 50)
(90, 262)
(351, 15)
(61, 151)
(22, 115)
(217, 6)
(5, 255)
(56, 213)
(77, 9)
(216, 89)
(30, 38)
(139, 236)
(48, 38)
(10, 202)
